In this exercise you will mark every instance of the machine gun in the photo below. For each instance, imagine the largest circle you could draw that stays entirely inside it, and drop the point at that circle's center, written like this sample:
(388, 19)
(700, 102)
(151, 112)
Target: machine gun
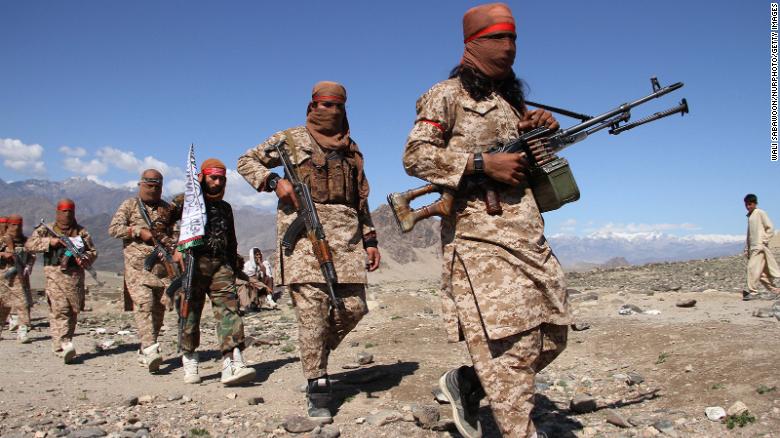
(82, 259)
(308, 221)
(550, 177)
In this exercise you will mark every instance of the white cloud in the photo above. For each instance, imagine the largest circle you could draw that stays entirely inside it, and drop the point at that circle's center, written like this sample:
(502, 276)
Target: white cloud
(73, 152)
(126, 160)
(113, 185)
(240, 194)
(22, 157)
(92, 167)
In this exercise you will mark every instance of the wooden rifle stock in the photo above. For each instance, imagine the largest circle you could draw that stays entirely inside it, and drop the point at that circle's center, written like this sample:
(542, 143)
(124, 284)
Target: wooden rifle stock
(406, 216)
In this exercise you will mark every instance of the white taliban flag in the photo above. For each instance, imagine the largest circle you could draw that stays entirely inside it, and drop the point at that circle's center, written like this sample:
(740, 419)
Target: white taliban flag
(193, 216)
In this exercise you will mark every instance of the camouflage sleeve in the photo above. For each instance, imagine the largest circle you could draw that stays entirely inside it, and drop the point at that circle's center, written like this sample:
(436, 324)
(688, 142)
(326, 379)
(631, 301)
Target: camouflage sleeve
(38, 241)
(426, 155)
(256, 163)
(120, 223)
(89, 246)
(177, 207)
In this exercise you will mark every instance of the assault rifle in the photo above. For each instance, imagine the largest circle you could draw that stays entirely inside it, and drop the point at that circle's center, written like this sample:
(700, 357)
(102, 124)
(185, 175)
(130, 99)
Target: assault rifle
(308, 221)
(182, 302)
(82, 259)
(159, 253)
(550, 177)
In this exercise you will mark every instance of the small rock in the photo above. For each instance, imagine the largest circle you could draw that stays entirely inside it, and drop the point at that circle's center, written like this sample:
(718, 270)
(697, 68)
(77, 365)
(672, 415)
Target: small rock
(91, 432)
(231, 395)
(425, 416)
(629, 309)
(251, 401)
(689, 368)
(590, 296)
(354, 344)
(365, 358)
(144, 399)
(634, 378)
(384, 417)
(615, 418)
(360, 420)
(329, 431)
(582, 404)
(580, 326)
(737, 408)
(123, 332)
(665, 427)
(652, 312)
(350, 366)
(130, 401)
(298, 424)
(715, 413)
(186, 398)
(100, 331)
(174, 397)
(686, 303)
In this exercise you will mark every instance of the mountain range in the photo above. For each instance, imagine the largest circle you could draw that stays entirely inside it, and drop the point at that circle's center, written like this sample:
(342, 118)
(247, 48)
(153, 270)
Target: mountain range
(95, 205)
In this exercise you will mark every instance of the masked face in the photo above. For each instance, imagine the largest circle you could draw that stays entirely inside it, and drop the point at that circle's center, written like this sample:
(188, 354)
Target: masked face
(65, 217)
(328, 117)
(492, 55)
(150, 192)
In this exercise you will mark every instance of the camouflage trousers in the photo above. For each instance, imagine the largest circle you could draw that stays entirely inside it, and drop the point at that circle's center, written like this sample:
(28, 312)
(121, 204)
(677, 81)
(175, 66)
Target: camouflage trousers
(506, 367)
(215, 278)
(761, 269)
(17, 299)
(5, 307)
(148, 310)
(65, 294)
(318, 332)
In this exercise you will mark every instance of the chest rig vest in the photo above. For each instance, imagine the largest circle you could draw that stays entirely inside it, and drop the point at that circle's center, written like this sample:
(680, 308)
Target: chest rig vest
(333, 177)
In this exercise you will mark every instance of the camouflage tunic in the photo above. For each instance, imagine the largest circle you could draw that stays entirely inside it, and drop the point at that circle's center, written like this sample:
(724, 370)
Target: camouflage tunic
(517, 281)
(344, 225)
(11, 290)
(64, 288)
(145, 288)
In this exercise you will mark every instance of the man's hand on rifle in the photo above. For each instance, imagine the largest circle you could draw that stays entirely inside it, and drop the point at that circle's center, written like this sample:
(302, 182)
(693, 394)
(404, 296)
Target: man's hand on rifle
(506, 168)
(537, 118)
(373, 258)
(146, 235)
(54, 242)
(177, 258)
(286, 193)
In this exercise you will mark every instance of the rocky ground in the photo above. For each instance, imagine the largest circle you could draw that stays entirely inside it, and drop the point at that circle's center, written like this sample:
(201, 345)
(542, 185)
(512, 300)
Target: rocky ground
(650, 371)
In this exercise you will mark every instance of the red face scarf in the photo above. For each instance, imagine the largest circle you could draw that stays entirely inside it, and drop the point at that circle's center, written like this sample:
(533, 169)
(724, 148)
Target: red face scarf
(492, 57)
(326, 117)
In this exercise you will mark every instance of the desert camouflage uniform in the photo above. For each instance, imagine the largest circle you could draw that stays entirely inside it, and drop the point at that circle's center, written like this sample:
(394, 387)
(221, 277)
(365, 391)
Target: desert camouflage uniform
(345, 226)
(502, 287)
(145, 288)
(214, 276)
(64, 288)
(11, 289)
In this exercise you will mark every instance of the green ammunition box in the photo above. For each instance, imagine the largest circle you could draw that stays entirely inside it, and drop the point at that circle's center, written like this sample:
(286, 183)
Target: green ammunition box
(553, 185)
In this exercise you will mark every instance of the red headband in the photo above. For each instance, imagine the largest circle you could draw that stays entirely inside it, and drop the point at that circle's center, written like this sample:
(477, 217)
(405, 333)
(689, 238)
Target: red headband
(337, 99)
(213, 171)
(64, 205)
(15, 221)
(498, 27)
(3, 220)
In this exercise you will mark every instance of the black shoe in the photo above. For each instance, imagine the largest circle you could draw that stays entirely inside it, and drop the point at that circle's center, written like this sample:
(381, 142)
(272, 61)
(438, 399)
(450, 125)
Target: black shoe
(318, 398)
(750, 296)
(464, 400)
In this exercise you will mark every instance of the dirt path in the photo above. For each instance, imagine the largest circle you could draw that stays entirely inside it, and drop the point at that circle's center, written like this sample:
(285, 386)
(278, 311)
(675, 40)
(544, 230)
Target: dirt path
(712, 354)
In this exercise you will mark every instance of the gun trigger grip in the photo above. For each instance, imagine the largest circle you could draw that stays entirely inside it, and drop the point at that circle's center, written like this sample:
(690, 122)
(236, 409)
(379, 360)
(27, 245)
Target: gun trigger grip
(292, 234)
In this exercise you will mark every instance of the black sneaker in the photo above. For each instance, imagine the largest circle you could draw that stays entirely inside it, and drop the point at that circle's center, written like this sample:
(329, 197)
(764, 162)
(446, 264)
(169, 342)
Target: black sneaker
(465, 412)
(750, 296)
(318, 398)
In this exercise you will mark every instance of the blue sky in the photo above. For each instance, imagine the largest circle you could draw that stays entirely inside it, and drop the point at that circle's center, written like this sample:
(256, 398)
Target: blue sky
(104, 89)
